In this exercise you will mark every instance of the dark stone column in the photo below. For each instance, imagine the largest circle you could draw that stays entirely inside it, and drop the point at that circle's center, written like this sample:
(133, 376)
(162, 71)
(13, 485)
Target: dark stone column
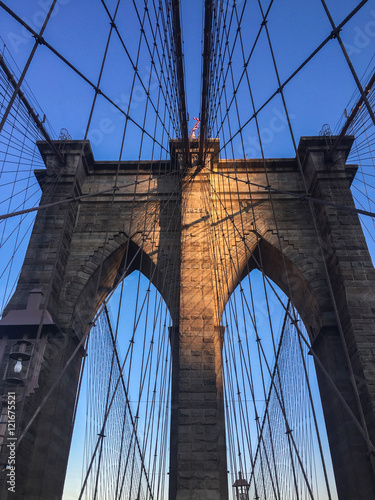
(31, 319)
(346, 342)
(352, 463)
(42, 454)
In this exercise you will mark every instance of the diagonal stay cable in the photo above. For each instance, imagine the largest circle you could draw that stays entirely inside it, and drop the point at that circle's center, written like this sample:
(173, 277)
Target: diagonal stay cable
(84, 336)
(126, 393)
(101, 435)
(349, 62)
(21, 95)
(297, 195)
(134, 64)
(177, 35)
(207, 50)
(337, 391)
(71, 199)
(331, 36)
(42, 41)
(350, 118)
(17, 86)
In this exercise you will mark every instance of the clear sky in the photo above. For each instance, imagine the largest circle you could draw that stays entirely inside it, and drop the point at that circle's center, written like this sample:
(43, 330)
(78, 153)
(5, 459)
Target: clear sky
(318, 95)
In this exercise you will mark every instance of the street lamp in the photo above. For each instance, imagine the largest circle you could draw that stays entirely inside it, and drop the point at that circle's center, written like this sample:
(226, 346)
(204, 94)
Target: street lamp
(20, 353)
(242, 488)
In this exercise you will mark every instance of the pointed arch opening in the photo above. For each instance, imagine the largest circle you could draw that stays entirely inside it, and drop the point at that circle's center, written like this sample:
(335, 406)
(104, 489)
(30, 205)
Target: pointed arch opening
(97, 280)
(275, 427)
(121, 434)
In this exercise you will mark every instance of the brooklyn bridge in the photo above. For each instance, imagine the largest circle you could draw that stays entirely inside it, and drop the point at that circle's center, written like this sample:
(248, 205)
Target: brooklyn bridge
(187, 277)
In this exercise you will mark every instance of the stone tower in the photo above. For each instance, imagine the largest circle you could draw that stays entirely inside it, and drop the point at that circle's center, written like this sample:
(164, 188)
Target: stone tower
(79, 251)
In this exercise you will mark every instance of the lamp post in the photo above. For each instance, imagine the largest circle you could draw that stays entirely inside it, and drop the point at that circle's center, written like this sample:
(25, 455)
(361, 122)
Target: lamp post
(242, 488)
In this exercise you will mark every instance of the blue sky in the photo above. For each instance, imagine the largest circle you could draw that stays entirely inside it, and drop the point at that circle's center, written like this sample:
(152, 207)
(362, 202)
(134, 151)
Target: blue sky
(317, 96)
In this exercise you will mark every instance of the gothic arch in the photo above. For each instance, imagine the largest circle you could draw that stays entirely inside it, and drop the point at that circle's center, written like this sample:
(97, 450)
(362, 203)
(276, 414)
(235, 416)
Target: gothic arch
(293, 275)
(102, 272)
